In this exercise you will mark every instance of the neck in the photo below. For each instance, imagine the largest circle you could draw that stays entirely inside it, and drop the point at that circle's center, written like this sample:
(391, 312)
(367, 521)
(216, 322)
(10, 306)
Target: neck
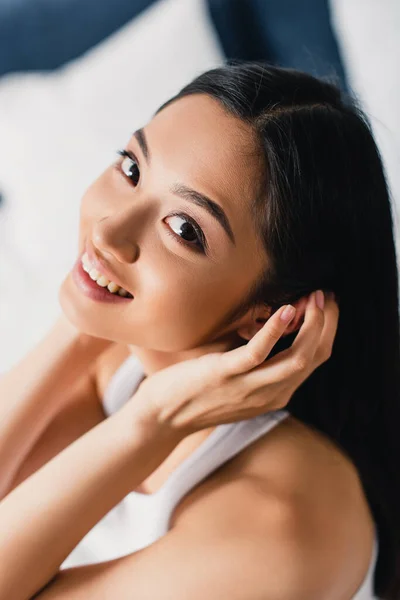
(156, 360)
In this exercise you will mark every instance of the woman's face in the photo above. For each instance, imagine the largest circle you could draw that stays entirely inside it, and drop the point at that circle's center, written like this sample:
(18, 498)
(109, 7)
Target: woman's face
(182, 293)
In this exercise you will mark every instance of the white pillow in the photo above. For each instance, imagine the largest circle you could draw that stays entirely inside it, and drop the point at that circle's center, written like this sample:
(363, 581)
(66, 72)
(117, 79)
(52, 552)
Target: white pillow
(59, 130)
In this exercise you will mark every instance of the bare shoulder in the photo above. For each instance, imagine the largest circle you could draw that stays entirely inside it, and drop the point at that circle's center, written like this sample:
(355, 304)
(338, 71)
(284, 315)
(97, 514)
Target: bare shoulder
(247, 532)
(297, 487)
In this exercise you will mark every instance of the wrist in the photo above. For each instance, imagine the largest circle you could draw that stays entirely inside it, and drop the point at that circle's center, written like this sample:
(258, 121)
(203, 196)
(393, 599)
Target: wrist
(145, 444)
(144, 421)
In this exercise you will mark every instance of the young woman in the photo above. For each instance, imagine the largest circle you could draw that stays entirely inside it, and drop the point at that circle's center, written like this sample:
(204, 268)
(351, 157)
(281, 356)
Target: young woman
(173, 436)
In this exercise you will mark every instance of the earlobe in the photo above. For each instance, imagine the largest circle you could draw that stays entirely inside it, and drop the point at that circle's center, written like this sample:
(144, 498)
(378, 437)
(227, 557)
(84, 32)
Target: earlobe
(248, 332)
(250, 329)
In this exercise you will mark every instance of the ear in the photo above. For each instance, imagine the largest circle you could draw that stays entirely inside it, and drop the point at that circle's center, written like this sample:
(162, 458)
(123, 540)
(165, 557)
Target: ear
(260, 316)
(298, 320)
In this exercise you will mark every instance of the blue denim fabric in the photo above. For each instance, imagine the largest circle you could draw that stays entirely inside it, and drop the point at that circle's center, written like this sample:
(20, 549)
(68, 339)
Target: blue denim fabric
(44, 34)
(289, 33)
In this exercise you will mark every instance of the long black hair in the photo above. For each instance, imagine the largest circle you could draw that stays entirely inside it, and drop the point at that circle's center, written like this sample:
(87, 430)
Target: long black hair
(325, 217)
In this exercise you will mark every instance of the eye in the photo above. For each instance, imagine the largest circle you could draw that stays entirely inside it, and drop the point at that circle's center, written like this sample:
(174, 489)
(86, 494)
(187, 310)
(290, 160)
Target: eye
(129, 166)
(188, 232)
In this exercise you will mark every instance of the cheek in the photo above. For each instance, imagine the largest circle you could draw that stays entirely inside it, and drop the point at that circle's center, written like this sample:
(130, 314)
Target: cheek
(93, 202)
(170, 295)
(92, 208)
(86, 219)
(178, 311)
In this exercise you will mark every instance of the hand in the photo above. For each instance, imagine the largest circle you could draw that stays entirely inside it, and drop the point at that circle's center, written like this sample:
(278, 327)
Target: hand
(222, 387)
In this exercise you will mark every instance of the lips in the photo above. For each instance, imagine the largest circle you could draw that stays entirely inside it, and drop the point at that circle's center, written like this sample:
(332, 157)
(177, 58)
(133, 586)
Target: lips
(92, 290)
(103, 267)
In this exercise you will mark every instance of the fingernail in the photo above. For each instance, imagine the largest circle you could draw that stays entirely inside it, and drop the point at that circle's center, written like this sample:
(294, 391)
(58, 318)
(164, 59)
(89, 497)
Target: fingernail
(320, 299)
(288, 313)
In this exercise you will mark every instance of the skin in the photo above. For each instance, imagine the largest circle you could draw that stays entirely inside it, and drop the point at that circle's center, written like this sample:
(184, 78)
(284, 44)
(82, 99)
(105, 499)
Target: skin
(181, 296)
(181, 299)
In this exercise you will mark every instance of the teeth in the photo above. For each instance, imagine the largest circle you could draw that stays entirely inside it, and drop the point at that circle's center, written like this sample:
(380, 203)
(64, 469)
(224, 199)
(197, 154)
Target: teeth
(100, 279)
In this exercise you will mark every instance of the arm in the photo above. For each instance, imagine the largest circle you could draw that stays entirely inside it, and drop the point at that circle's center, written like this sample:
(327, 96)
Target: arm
(233, 544)
(54, 508)
(34, 391)
(238, 542)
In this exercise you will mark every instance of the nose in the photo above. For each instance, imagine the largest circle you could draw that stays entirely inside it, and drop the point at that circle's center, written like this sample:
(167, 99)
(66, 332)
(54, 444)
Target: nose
(111, 241)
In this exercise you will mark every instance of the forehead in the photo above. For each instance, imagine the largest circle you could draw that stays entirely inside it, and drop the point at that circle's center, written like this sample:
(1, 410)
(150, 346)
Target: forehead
(210, 150)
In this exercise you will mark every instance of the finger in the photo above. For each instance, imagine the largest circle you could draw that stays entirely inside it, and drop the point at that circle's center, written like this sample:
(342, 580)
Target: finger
(287, 365)
(242, 359)
(329, 330)
(307, 340)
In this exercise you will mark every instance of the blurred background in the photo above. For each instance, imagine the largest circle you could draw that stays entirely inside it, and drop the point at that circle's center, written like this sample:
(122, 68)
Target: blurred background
(77, 77)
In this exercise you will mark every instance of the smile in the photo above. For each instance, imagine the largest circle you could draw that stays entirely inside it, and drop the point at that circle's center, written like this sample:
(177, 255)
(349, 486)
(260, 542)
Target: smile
(101, 280)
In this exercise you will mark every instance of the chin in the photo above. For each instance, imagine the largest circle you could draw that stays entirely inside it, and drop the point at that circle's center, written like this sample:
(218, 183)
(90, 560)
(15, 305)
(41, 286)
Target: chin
(69, 307)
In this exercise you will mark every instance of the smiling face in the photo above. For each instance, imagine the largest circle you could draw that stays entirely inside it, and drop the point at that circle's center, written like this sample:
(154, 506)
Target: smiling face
(175, 227)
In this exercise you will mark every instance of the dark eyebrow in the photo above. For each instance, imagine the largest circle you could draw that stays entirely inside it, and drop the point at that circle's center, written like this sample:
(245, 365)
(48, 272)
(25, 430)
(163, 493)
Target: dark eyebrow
(141, 138)
(205, 202)
(188, 193)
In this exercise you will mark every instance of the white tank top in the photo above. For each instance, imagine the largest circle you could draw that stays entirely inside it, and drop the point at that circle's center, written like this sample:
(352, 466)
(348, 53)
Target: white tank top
(140, 519)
